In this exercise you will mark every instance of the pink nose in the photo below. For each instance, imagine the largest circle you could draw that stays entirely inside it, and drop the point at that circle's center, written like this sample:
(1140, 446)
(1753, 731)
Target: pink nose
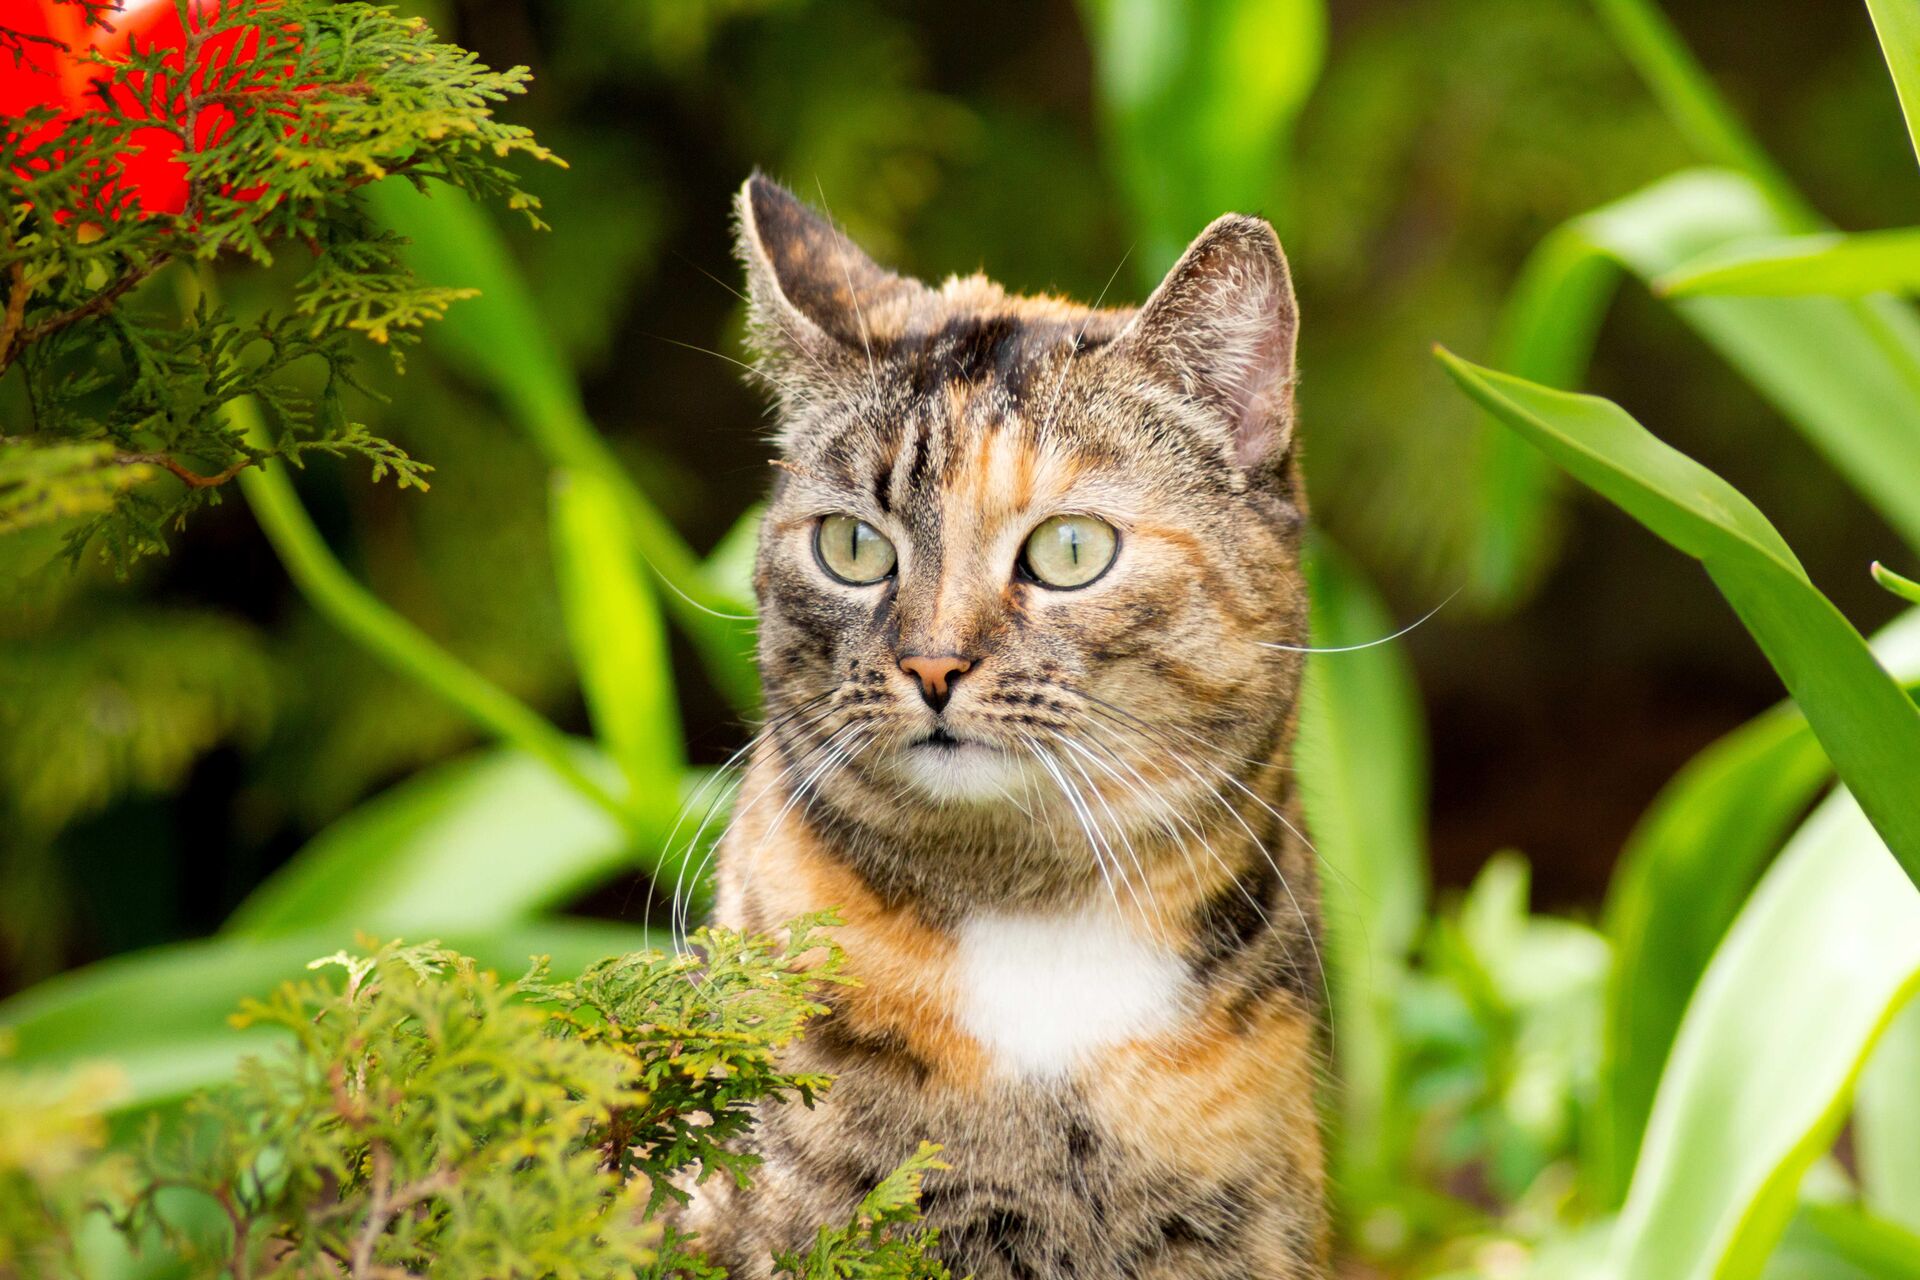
(936, 673)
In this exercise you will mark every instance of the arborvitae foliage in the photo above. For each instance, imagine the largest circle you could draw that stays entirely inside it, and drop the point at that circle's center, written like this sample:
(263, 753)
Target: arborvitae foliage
(282, 111)
(428, 1119)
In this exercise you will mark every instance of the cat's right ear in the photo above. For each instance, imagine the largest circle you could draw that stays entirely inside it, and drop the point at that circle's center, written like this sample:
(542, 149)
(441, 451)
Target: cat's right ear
(818, 307)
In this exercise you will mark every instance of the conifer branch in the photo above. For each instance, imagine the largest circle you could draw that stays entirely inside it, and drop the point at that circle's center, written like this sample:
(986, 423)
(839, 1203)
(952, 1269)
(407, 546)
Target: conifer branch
(99, 304)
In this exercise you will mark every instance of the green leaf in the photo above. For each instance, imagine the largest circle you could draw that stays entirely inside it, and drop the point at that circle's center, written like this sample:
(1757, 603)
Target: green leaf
(1906, 588)
(1820, 960)
(1898, 24)
(1864, 720)
(1844, 371)
(1198, 104)
(161, 1015)
(1846, 266)
(619, 643)
(455, 243)
(1679, 884)
(1362, 764)
(1886, 1125)
(1546, 334)
(471, 844)
(729, 568)
(1828, 1241)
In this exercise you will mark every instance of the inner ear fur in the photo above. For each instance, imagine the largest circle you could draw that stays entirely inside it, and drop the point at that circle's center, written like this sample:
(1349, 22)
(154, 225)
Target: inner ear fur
(1221, 328)
(814, 298)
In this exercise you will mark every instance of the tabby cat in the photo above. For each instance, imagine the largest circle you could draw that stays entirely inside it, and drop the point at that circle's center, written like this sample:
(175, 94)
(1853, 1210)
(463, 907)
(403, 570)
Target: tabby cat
(1031, 613)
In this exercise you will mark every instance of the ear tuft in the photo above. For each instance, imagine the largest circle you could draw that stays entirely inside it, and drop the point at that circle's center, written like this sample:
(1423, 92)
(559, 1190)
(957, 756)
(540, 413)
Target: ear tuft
(1221, 328)
(814, 297)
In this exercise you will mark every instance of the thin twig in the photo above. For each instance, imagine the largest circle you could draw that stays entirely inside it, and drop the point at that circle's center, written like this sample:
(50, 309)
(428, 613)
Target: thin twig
(192, 479)
(93, 306)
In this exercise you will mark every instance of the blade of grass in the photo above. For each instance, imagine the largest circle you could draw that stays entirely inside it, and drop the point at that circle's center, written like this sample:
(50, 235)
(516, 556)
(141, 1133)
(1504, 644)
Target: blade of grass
(1821, 959)
(1864, 720)
(1897, 22)
(1362, 764)
(1826, 263)
(619, 643)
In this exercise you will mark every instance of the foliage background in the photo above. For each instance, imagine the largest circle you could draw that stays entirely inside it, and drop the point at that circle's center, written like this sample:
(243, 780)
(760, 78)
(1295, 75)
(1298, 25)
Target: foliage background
(221, 723)
(172, 740)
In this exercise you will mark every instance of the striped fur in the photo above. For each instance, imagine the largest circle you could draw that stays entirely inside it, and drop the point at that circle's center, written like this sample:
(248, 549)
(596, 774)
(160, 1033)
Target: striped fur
(1086, 938)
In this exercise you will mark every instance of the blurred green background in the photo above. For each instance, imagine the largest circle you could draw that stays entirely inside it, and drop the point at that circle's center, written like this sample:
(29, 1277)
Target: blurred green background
(222, 723)
(1513, 1088)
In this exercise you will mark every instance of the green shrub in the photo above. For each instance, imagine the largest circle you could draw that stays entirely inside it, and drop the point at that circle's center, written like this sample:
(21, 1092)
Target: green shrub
(426, 1117)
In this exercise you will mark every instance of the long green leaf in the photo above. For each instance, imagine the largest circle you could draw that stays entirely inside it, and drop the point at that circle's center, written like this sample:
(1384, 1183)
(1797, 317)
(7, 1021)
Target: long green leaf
(390, 637)
(1819, 962)
(1362, 763)
(1844, 371)
(1833, 1241)
(619, 644)
(470, 844)
(498, 341)
(1886, 1125)
(1198, 103)
(1898, 25)
(1680, 882)
(1864, 720)
(1546, 334)
(162, 1015)
(1826, 263)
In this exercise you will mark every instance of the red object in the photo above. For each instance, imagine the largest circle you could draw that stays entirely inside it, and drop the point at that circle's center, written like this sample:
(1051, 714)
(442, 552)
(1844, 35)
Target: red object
(65, 77)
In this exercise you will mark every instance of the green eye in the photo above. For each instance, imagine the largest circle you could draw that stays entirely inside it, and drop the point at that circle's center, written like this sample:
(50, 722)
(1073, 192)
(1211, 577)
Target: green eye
(1069, 551)
(853, 551)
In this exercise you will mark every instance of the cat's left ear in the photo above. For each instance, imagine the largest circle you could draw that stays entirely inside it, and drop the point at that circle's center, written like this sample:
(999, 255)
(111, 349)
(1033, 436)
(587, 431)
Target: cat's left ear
(818, 305)
(1221, 327)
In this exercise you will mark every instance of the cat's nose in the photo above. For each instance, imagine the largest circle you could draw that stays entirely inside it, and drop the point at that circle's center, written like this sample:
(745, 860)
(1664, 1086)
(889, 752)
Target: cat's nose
(936, 673)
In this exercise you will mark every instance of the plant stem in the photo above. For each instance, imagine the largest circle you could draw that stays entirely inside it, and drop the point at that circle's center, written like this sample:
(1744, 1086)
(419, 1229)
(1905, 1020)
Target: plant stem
(1905, 588)
(391, 638)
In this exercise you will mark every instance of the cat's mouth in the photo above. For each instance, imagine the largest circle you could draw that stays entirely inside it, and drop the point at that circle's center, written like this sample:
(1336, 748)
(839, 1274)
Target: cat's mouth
(947, 766)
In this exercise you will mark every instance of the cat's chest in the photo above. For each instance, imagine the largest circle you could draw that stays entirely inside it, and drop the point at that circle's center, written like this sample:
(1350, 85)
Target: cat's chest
(1043, 994)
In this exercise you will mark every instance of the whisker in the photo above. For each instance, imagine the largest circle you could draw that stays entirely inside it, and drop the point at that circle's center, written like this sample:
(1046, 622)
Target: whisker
(1259, 845)
(1066, 792)
(873, 373)
(1073, 352)
(1355, 648)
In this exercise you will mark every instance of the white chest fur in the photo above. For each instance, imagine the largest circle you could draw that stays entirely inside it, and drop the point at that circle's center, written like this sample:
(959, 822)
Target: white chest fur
(1042, 993)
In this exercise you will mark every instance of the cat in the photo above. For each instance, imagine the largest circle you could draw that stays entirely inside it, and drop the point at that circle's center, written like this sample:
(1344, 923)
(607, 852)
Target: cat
(1031, 611)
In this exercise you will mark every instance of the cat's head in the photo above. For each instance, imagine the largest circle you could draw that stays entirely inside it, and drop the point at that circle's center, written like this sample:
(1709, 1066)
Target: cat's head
(1025, 556)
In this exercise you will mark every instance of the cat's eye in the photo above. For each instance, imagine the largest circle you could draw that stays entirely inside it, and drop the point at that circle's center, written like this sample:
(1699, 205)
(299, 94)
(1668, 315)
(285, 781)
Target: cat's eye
(853, 551)
(1069, 551)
